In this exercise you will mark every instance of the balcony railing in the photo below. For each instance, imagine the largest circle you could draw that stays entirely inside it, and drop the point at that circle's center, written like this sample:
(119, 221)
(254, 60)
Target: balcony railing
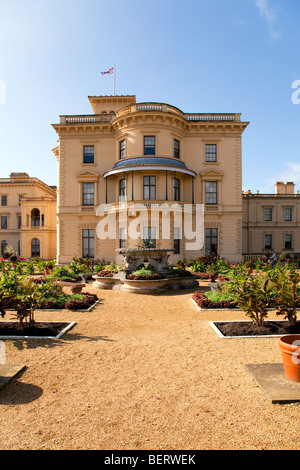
(86, 118)
(149, 107)
(165, 108)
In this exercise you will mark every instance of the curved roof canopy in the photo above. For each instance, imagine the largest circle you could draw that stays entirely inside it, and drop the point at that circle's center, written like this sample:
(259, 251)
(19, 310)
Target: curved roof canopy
(149, 163)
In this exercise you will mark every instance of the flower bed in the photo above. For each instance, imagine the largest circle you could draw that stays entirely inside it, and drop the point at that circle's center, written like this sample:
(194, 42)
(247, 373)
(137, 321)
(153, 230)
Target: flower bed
(105, 273)
(202, 301)
(148, 277)
(70, 302)
(248, 328)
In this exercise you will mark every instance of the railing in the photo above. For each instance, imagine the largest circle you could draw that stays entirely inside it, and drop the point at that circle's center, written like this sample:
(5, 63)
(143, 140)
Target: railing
(161, 107)
(87, 208)
(86, 118)
(213, 117)
(152, 204)
(150, 107)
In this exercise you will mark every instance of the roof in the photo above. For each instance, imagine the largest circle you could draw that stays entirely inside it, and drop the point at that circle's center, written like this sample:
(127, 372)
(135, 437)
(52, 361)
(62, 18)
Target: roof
(152, 163)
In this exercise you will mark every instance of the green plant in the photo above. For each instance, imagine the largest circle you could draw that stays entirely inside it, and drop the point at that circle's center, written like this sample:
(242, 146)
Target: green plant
(30, 268)
(146, 243)
(26, 302)
(142, 272)
(19, 268)
(99, 267)
(63, 273)
(288, 295)
(182, 263)
(254, 296)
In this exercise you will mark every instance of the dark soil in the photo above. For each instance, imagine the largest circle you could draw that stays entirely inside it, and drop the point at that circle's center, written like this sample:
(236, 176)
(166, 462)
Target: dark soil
(250, 329)
(40, 329)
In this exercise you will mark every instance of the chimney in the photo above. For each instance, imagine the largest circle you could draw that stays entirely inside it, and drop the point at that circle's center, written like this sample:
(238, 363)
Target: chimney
(289, 187)
(279, 187)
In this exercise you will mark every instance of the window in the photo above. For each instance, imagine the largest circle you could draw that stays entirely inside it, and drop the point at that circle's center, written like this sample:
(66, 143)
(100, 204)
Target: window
(176, 153)
(4, 222)
(35, 218)
(211, 196)
(20, 198)
(122, 189)
(211, 152)
(19, 221)
(122, 237)
(176, 240)
(88, 154)
(88, 243)
(149, 233)
(211, 241)
(268, 242)
(268, 214)
(122, 149)
(176, 189)
(149, 145)
(3, 247)
(35, 247)
(288, 242)
(149, 187)
(87, 194)
(288, 215)
(3, 200)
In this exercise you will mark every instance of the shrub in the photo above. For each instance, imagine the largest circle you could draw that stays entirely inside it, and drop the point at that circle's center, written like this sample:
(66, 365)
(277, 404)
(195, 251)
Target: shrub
(287, 295)
(254, 296)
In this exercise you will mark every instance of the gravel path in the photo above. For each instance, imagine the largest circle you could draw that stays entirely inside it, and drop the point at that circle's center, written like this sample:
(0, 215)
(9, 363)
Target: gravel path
(138, 373)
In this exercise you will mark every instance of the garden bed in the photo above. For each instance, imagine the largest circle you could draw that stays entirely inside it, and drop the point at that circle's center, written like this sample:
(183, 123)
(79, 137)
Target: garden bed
(87, 303)
(201, 301)
(246, 329)
(12, 330)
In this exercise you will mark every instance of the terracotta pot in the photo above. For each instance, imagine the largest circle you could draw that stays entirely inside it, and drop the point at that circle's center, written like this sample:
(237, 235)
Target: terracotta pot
(289, 346)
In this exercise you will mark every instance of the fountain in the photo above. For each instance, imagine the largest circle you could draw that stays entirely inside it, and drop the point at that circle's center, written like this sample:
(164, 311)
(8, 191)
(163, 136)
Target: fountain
(164, 278)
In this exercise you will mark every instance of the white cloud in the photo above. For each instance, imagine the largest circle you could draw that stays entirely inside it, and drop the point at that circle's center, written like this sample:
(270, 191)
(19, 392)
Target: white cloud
(265, 10)
(270, 16)
(291, 173)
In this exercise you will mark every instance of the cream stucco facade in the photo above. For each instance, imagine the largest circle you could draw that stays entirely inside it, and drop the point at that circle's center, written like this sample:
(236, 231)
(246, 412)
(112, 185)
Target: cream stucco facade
(28, 216)
(148, 153)
(271, 221)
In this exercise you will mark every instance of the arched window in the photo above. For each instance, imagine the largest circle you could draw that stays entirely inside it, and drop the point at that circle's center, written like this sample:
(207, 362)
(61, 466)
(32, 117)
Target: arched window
(35, 218)
(3, 247)
(35, 247)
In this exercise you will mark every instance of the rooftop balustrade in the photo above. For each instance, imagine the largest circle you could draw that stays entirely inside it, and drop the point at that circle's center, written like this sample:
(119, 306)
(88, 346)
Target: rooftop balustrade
(149, 107)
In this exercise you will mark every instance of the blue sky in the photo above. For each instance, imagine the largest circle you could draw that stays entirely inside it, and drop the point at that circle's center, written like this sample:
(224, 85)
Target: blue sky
(199, 55)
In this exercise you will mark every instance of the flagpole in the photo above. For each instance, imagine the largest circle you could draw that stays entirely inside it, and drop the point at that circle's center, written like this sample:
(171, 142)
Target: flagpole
(114, 80)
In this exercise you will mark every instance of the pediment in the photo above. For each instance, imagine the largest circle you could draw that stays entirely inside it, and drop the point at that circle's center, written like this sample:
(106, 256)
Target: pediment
(88, 175)
(211, 174)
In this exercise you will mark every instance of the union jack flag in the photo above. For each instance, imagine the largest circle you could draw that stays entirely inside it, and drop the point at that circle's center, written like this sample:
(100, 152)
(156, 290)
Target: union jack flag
(108, 71)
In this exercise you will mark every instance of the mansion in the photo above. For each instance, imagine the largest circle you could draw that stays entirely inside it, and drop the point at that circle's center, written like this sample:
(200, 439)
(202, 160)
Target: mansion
(128, 171)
